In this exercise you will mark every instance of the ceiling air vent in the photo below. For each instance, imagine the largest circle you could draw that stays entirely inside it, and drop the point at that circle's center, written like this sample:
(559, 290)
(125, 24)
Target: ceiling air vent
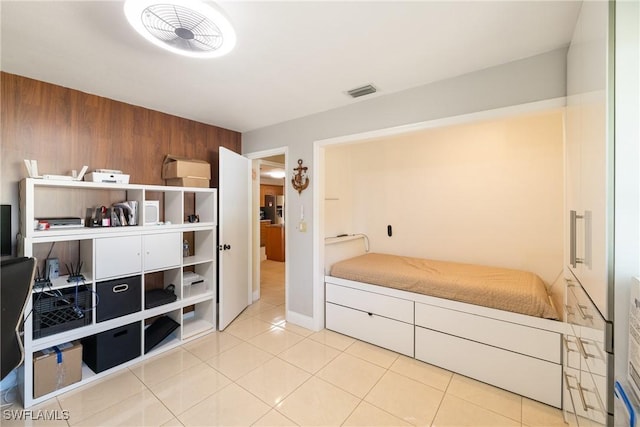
(361, 91)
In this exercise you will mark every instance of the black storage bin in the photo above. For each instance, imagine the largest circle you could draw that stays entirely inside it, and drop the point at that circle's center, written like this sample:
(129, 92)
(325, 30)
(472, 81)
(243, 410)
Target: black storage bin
(118, 297)
(61, 310)
(111, 348)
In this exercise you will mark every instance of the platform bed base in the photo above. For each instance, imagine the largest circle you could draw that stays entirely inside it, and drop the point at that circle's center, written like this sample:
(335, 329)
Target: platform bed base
(515, 352)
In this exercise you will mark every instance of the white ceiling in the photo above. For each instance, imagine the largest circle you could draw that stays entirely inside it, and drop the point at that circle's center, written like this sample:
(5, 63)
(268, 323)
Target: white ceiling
(292, 58)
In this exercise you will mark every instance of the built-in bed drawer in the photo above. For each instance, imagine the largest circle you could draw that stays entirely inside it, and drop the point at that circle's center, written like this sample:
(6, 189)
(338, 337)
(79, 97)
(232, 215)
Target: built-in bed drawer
(373, 328)
(370, 302)
(527, 340)
(531, 377)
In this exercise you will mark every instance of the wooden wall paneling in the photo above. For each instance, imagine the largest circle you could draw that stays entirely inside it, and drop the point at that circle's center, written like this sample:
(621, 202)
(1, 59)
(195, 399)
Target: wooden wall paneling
(64, 129)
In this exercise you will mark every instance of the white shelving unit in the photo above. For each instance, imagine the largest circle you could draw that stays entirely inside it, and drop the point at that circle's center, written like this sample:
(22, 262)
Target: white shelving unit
(152, 252)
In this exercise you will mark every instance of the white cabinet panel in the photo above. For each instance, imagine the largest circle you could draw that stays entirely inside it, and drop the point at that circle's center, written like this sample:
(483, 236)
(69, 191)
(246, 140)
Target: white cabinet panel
(378, 330)
(528, 376)
(118, 256)
(162, 251)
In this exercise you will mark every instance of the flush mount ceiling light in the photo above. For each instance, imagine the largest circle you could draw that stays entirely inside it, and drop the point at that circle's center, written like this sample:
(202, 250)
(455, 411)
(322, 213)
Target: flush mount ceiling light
(186, 27)
(277, 173)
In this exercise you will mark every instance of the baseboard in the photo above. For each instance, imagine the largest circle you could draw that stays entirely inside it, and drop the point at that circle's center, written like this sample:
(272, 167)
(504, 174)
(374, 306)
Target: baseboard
(301, 320)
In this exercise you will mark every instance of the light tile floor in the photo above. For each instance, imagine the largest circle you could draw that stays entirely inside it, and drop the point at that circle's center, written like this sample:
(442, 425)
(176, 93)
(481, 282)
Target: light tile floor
(264, 371)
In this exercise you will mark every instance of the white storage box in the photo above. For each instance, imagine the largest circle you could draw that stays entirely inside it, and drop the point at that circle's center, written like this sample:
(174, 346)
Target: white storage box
(113, 178)
(193, 284)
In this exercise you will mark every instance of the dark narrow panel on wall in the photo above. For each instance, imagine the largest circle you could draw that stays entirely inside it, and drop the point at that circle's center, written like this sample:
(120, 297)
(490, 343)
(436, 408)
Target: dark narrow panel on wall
(64, 129)
(5, 230)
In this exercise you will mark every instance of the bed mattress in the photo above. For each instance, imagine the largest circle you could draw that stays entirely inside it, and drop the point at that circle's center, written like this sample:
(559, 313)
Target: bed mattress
(504, 289)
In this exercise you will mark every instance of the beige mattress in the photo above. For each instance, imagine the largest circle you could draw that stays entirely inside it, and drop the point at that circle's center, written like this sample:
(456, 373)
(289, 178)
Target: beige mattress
(501, 288)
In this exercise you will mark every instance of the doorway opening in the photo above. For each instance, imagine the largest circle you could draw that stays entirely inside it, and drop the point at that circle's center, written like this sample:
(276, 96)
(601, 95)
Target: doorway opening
(269, 204)
(272, 231)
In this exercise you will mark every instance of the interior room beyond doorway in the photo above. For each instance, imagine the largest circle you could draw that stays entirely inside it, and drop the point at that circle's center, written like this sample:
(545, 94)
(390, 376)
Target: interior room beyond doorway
(272, 229)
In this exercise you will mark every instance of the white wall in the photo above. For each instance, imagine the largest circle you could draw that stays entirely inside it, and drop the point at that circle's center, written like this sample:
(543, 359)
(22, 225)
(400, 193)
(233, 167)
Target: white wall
(488, 193)
(531, 79)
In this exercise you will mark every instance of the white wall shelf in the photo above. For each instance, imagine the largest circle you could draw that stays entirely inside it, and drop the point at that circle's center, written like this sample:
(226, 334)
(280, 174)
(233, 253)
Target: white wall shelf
(152, 252)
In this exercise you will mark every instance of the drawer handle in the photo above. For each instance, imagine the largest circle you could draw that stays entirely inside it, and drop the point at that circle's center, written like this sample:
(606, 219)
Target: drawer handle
(370, 314)
(566, 380)
(581, 391)
(583, 314)
(120, 288)
(581, 348)
(569, 310)
(566, 345)
(581, 343)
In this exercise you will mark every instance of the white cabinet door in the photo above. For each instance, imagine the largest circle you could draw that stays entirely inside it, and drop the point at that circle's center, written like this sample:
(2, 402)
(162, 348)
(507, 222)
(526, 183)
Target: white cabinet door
(118, 256)
(162, 251)
(596, 156)
(589, 153)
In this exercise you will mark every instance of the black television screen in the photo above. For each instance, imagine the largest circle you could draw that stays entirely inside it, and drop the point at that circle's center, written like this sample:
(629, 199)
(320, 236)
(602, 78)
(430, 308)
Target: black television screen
(5, 230)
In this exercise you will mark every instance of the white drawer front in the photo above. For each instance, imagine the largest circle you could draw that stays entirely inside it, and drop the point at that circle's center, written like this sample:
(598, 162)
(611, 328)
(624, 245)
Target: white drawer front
(534, 378)
(383, 305)
(521, 339)
(585, 312)
(587, 405)
(590, 328)
(572, 355)
(381, 331)
(596, 357)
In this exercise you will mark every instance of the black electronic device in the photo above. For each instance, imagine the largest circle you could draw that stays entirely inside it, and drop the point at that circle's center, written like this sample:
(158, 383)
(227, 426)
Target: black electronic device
(41, 280)
(158, 331)
(16, 275)
(158, 297)
(5, 230)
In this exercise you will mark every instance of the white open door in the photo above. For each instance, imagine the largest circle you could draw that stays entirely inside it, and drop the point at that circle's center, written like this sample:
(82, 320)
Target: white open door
(234, 244)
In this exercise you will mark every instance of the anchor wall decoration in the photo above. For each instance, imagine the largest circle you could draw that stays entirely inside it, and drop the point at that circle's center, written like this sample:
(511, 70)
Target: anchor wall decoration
(300, 179)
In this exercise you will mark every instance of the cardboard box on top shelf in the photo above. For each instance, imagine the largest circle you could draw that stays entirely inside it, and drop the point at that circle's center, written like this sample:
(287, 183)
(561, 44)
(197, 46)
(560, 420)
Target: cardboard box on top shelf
(56, 367)
(181, 171)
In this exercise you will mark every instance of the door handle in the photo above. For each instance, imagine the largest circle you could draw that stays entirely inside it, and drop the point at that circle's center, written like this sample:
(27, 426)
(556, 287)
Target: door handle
(224, 247)
(573, 259)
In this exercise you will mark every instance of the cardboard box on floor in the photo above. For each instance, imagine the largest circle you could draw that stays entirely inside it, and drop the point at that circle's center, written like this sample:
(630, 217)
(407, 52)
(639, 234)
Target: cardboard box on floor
(56, 367)
(181, 171)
